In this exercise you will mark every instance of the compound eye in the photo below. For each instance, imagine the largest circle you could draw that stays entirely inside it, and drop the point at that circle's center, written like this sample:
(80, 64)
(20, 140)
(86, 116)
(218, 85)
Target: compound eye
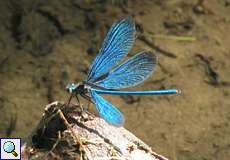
(71, 87)
(69, 90)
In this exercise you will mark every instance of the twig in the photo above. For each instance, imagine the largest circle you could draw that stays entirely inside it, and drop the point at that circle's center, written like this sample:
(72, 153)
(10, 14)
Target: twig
(178, 38)
(76, 137)
(157, 48)
(212, 74)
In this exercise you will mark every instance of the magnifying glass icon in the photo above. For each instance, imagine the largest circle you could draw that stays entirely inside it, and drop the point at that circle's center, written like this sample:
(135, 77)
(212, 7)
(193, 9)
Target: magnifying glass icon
(9, 147)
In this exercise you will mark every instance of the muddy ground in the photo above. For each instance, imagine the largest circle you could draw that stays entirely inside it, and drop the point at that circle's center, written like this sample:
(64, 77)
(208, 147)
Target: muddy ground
(46, 44)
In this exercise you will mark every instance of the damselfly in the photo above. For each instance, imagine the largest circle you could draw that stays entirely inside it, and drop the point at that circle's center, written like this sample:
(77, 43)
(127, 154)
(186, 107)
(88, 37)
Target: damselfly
(107, 73)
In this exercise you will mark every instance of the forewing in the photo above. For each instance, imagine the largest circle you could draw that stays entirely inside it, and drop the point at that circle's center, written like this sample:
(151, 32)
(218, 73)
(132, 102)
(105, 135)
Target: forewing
(130, 73)
(116, 45)
(107, 111)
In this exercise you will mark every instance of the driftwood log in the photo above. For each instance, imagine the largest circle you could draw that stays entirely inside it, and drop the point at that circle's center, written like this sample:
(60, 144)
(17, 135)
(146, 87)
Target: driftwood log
(69, 132)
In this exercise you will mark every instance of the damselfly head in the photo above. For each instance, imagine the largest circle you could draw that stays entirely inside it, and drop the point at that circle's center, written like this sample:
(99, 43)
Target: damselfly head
(71, 87)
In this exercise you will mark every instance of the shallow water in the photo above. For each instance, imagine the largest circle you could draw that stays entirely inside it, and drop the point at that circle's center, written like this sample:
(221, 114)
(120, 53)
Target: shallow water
(45, 45)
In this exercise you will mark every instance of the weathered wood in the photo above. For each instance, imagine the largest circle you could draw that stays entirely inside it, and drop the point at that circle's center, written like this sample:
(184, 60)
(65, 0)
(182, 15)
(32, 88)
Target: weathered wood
(67, 132)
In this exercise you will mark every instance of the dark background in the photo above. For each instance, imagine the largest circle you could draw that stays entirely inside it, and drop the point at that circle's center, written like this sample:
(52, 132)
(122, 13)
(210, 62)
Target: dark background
(44, 44)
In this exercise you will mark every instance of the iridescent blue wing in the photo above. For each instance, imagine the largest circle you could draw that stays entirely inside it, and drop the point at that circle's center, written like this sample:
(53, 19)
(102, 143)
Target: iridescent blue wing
(130, 73)
(116, 45)
(107, 111)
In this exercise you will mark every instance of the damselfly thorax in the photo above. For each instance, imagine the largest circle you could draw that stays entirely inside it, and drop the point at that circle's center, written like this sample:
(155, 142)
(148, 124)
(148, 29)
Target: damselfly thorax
(78, 88)
(82, 87)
